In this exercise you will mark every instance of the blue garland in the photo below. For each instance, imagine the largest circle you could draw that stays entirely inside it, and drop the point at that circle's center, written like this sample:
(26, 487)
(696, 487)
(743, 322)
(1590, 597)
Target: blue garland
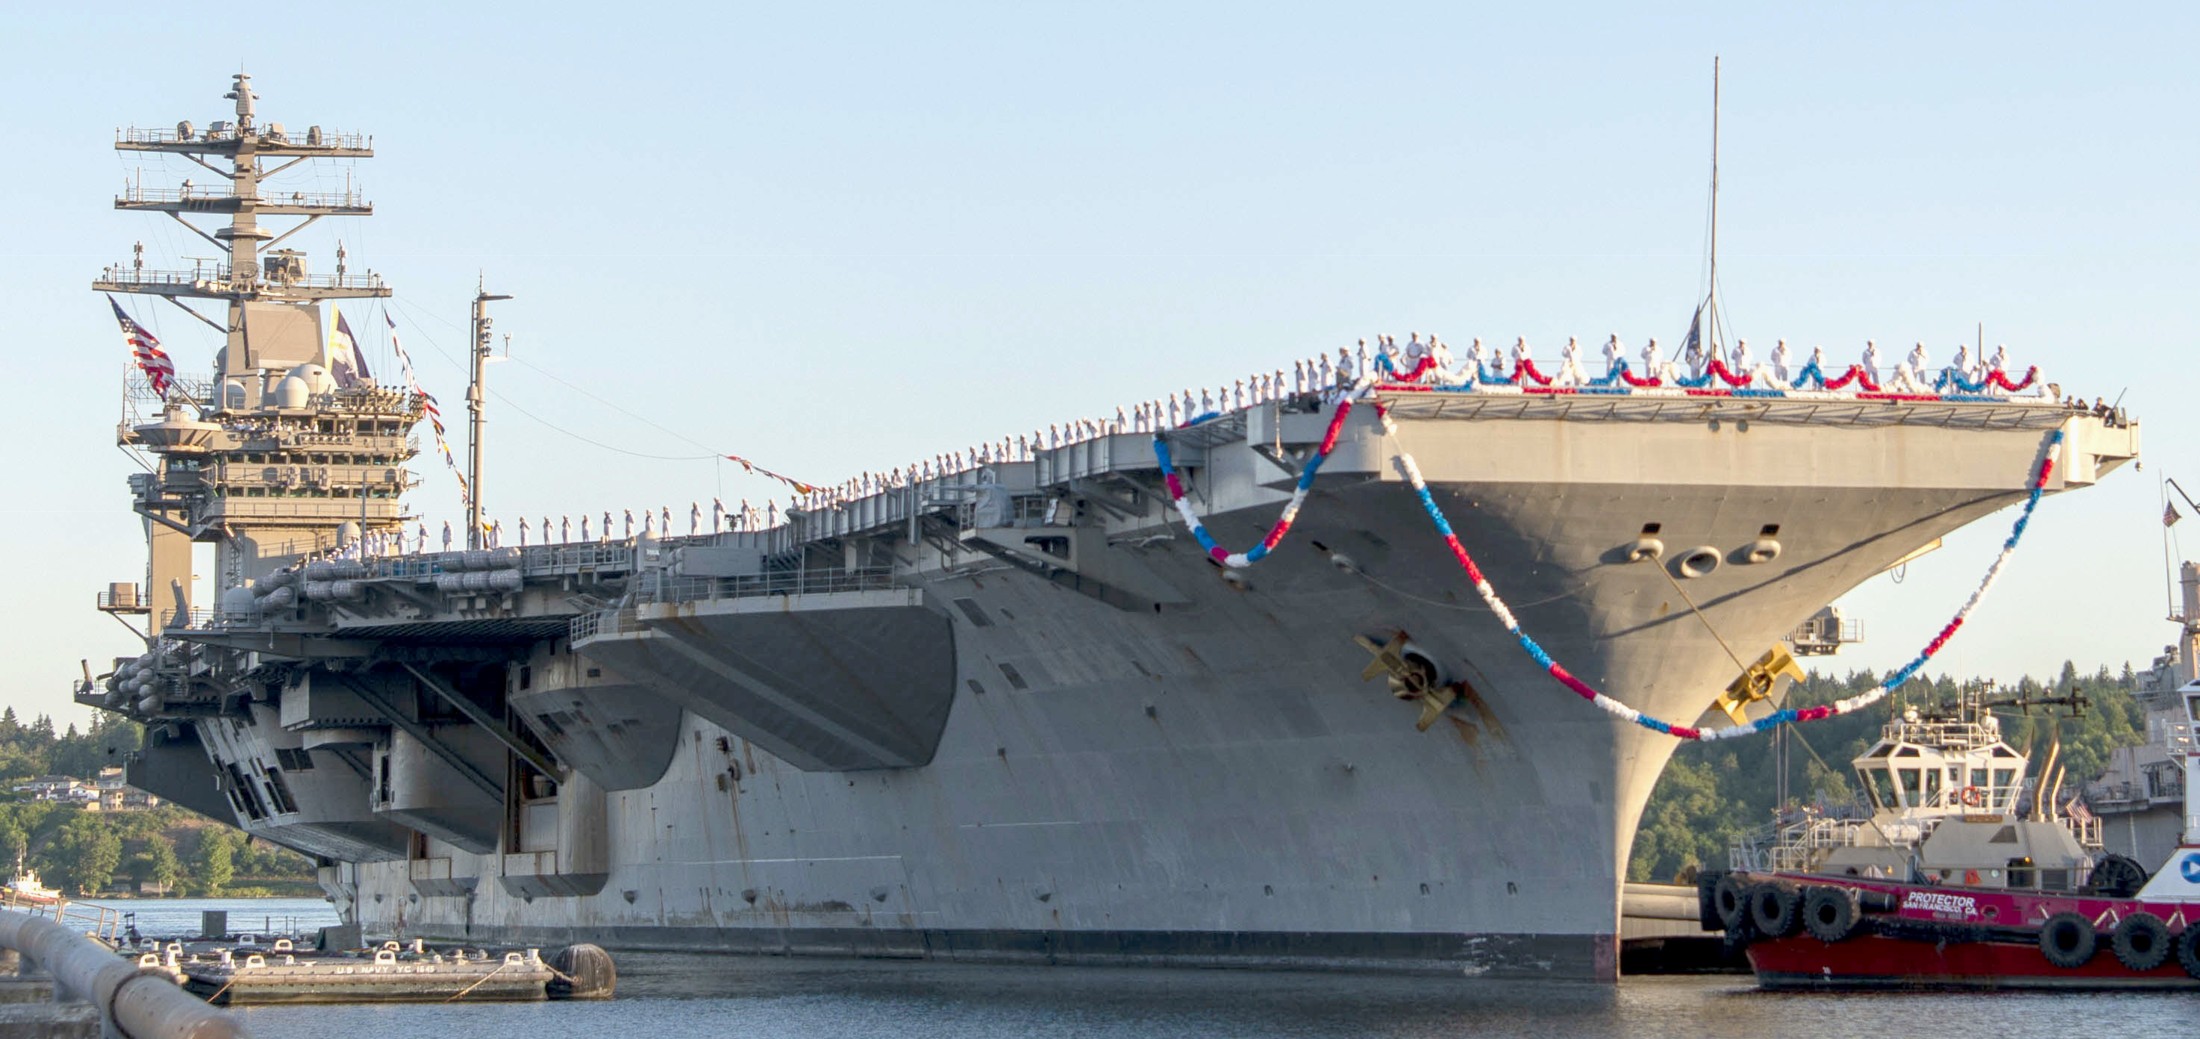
(1951, 377)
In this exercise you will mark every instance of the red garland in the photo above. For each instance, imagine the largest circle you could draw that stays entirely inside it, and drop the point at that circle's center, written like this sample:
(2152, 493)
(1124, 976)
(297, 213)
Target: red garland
(1420, 368)
(1859, 374)
(1718, 367)
(2000, 378)
(1526, 367)
(1639, 380)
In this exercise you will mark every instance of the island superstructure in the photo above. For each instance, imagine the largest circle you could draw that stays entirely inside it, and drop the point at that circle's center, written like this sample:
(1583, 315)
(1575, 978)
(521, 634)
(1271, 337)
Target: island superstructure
(1014, 710)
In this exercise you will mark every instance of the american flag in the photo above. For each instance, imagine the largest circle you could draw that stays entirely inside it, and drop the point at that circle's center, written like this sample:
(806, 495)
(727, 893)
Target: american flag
(159, 371)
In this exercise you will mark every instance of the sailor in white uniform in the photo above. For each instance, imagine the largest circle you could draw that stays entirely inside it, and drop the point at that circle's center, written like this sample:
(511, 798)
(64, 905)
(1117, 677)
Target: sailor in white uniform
(1615, 353)
(1569, 366)
(1477, 357)
(1653, 361)
(1740, 363)
(1912, 368)
(2000, 363)
(1871, 359)
(1522, 356)
(1695, 357)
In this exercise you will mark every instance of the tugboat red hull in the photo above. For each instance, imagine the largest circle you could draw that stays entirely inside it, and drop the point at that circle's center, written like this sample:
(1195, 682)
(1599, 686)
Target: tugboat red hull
(1880, 962)
(1817, 932)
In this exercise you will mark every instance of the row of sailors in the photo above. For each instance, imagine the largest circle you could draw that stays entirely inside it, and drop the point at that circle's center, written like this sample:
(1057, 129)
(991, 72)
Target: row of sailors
(1320, 374)
(1914, 370)
(744, 517)
(1330, 375)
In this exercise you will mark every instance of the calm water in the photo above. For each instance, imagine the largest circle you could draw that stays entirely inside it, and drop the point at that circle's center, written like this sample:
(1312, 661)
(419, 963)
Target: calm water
(170, 917)
(668, 997)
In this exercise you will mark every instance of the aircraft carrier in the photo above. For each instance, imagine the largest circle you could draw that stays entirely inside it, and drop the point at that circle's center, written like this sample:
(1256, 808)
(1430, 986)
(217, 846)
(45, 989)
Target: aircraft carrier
(1011, 710)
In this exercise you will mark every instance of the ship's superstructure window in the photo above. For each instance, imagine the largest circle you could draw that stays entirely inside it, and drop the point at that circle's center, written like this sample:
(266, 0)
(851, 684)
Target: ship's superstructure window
(1879, 784)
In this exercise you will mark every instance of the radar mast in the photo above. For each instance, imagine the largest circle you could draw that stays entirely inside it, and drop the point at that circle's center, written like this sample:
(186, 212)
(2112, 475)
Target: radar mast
(290, 450)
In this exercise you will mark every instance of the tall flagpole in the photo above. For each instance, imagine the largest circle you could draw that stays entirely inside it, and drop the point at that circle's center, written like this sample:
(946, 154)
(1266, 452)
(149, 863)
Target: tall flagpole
(1712, 298)
(475, 419)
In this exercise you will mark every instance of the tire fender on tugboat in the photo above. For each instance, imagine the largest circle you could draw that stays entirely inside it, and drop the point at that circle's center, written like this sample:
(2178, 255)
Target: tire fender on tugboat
(1830, 913)
(2188, 950)
(2068, 940)
(1773, 908)
(1730, 901)
(2141, 942)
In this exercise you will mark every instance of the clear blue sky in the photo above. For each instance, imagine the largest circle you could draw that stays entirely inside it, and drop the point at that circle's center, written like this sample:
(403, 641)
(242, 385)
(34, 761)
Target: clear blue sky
(835, 238)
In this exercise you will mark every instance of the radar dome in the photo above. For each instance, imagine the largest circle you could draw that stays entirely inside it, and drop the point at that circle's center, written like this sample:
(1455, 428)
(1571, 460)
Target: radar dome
(311, 380)
(317, 378)
(291, 392)
(238, 600)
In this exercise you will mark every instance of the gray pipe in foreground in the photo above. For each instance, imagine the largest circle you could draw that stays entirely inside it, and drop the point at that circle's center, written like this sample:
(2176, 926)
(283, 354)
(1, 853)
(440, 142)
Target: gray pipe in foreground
(133, 1004)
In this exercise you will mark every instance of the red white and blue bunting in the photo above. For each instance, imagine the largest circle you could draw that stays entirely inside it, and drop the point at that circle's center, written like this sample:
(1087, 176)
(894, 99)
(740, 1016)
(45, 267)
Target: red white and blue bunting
(1239, 560)
(1718, 380)
(1496, 604)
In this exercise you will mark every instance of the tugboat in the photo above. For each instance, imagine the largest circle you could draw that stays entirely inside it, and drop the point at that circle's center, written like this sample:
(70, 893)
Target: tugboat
(25, 888)
(1952, 883)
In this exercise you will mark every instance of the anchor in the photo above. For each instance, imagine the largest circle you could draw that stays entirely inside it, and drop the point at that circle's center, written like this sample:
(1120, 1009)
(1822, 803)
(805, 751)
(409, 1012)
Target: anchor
(1411, 676)
(1757, 682)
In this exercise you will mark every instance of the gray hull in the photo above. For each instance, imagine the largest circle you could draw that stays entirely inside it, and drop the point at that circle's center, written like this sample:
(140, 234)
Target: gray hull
(1213, 782)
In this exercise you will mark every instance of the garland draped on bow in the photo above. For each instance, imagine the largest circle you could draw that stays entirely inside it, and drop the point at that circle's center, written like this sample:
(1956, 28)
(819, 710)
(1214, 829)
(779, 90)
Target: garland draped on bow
(1490, 598)
(1239, 560)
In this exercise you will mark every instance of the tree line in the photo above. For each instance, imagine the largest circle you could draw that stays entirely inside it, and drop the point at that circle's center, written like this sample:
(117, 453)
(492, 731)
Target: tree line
(80, 852)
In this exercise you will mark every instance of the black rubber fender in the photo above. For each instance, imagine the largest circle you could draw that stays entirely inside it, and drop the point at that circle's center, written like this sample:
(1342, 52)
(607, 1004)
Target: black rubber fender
(1730, 901)
(1774, 908)
(1830, 914)
(1707, 901)
(2141, 942)
(2068, 940)
(2188, 950)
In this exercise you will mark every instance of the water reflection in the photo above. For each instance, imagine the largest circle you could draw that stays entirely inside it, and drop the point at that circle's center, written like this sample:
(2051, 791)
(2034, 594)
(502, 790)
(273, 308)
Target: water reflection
(688, 997)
